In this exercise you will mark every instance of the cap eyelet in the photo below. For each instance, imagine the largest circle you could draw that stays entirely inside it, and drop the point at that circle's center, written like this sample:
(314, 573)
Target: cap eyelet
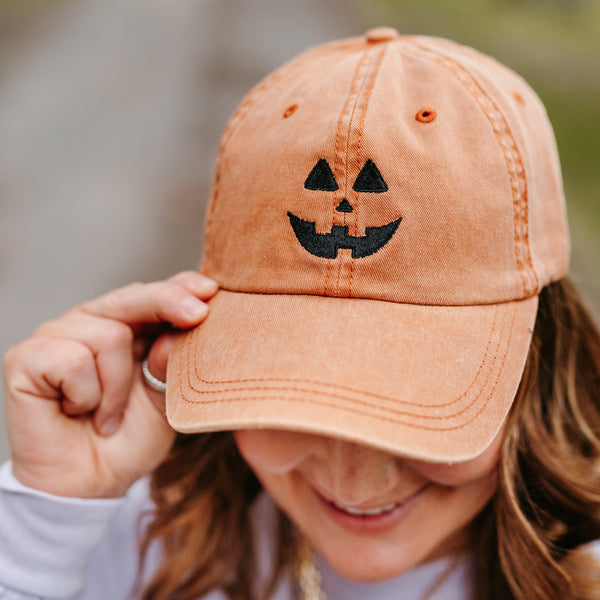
(426, 115)
(290, 110)
(519, 98)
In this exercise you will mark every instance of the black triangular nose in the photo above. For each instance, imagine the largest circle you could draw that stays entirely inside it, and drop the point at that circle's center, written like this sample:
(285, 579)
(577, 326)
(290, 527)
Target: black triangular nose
(321, 178)
(370, 179)
(344, 206)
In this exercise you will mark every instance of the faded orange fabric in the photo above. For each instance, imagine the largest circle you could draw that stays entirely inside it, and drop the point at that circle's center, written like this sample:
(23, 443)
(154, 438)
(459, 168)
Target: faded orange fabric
(417, 347)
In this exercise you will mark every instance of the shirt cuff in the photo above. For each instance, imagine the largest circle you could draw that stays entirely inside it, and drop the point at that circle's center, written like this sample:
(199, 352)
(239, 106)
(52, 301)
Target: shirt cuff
(46, 541)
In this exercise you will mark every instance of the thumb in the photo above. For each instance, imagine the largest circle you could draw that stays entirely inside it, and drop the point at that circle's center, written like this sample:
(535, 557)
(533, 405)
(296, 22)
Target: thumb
(157, 358)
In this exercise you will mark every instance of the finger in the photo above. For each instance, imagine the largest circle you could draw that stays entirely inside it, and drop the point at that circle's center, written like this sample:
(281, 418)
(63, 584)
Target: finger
(157, 365)
(146, 337)
(51, 369)
(194, 282)
(115, 367)
(110, 342)
(163, 301)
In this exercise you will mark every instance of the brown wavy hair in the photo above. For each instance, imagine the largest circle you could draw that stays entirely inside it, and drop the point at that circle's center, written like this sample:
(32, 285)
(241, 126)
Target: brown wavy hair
(527, 541)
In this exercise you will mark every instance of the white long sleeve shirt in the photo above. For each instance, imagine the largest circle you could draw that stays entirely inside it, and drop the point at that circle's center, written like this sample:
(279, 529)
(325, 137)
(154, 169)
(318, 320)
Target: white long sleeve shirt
(68, 548)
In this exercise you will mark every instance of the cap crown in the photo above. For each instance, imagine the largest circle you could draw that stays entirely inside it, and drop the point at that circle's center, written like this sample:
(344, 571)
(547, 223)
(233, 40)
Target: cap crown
(407, 169)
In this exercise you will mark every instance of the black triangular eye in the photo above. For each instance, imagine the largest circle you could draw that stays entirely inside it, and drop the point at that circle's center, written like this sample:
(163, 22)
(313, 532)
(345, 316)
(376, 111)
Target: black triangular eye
(321, 178)
(370, 179)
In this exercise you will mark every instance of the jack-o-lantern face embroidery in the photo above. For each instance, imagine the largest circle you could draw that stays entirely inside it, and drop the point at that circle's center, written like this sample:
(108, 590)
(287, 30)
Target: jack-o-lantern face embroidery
(326, 245)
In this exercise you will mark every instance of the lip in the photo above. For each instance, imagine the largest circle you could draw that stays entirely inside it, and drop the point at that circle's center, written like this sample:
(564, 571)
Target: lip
(374, 522)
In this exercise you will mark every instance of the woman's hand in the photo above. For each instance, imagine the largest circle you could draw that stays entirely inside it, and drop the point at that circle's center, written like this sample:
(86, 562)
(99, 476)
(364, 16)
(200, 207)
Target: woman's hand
(81, 421)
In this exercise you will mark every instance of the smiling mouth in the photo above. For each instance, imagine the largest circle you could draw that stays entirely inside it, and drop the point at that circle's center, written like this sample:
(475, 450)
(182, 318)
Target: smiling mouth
(326, 245)
(369, 512)
(377, 511)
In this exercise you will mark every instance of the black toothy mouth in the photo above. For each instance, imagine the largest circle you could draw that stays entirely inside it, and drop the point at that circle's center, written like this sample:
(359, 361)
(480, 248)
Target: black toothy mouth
(326, 245)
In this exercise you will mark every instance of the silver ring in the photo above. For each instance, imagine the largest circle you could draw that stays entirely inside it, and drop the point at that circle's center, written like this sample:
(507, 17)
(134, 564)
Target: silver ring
(151, 381)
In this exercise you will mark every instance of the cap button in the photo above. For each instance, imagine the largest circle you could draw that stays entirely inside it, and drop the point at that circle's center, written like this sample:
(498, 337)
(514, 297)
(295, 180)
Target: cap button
(381, 34)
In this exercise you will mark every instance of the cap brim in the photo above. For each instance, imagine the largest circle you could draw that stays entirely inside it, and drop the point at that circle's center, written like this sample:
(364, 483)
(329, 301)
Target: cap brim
(428, 382)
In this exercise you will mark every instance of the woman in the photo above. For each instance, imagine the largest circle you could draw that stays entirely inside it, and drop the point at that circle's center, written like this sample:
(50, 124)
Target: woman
(395, 393)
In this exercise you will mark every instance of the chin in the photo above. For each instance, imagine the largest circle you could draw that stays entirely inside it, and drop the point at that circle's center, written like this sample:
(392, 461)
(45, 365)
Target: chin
(367, 565)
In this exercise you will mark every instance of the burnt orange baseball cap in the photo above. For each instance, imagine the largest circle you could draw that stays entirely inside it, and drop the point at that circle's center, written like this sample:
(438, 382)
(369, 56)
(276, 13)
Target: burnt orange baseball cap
(385, 211)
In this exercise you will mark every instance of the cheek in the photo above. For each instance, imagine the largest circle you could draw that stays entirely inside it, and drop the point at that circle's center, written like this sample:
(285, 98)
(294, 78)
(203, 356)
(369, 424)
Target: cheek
(270, 451)
(483, 467)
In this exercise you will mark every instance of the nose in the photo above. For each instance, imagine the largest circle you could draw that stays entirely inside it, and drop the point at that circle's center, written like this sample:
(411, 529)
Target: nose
(344, 206)
(354, 474)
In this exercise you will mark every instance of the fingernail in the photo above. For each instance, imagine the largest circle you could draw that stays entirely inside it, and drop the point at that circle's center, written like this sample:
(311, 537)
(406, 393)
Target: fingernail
(193, 308)
(208, 285)
(208, 280)
(110, 426)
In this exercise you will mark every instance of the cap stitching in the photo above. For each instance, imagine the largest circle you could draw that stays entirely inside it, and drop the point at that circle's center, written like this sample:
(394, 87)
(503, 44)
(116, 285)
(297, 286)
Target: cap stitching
(343, 387)
(357, 97)
(331, 265)
(360, 105)
(390, 417)
(513, 160)
(363, 393)
(255, 94)
(375, 72)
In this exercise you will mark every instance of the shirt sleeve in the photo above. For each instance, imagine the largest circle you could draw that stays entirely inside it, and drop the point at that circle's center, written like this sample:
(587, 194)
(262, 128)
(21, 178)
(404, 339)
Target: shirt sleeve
(56, 548)
(47, 541)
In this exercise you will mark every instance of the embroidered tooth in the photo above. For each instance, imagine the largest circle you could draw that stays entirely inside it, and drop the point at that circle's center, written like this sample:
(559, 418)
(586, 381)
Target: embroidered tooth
(368, 511)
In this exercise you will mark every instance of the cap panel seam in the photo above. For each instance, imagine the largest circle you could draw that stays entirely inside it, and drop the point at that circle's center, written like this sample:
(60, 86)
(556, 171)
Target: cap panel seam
(512, 157)
(371, 84)
(340, 161)
(252, 98)
(361, 100)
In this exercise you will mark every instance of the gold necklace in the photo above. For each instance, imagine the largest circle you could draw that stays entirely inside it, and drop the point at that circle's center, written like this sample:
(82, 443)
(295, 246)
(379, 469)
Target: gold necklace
(307, 574)
(309, 577)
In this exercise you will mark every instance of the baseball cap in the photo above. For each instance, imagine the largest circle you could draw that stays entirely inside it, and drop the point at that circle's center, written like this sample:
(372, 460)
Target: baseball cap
(385, 210)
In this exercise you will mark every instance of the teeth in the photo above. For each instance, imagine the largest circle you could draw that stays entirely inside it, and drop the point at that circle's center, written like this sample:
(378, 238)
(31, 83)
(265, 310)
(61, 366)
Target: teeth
(367, 512)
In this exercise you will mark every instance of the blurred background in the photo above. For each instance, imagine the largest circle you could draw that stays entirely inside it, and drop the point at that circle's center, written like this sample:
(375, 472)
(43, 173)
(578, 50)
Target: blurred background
(111, 112)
